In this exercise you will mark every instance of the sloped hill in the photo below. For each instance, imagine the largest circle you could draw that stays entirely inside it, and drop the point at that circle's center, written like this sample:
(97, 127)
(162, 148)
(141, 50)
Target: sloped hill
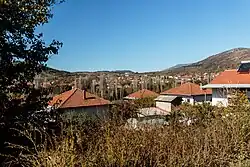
(177, 66)
(226, 60)
(61, 73)
(51, 72)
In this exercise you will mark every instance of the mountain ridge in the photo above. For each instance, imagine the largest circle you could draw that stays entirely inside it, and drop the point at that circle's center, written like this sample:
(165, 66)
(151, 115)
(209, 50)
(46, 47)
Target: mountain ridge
(229, 59)
(178, 66)
(57, 71)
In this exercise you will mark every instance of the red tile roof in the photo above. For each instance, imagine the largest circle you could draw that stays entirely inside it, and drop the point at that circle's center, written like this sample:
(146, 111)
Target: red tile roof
(187, 89)
(143, 94)
(232, 77)
(75, 98)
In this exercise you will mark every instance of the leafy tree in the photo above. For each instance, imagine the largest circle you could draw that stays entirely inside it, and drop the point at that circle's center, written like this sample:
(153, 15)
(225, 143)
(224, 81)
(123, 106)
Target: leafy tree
(145, 102)
(123, 110)
(238, 101)
(23, 55)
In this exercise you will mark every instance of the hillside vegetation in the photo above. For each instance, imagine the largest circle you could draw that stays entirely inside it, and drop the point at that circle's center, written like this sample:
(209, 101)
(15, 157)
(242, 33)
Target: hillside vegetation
(226, 60)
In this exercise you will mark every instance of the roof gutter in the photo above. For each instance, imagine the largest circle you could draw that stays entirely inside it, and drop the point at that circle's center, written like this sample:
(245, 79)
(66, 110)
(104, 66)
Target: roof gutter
(225, 86)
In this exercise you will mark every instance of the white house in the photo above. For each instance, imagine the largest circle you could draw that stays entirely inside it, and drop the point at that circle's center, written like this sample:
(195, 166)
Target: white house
(223, 84)
(167, 103)
(190, 93)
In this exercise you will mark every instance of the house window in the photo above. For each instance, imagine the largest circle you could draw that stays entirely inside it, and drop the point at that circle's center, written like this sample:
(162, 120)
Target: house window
(188, 100)
(244, 67)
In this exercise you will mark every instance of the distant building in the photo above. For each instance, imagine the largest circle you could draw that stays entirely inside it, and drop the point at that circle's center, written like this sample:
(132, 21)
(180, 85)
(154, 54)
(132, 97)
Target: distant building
(147, 117)
(144, 93)
(151, 112)
(223, 84)
(78, 101)
(190, 93)
(167, 103)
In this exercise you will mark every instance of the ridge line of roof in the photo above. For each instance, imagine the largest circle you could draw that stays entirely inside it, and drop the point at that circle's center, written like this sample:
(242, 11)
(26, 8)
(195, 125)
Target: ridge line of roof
(68, 97)
(230, 70)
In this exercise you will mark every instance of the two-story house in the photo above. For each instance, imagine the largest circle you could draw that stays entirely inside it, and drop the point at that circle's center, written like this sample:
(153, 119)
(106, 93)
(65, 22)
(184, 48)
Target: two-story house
(223, 85)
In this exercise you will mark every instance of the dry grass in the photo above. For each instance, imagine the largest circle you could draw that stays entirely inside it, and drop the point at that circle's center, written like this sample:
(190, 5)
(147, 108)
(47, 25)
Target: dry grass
(224, 142)
(220, 137)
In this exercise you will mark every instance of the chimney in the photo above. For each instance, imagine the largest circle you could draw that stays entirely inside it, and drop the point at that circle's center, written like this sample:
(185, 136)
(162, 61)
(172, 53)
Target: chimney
(84, 94)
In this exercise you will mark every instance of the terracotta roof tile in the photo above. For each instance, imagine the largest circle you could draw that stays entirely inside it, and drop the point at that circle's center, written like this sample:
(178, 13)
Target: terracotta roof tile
(75, 98)
(143, 94)
(187, 89)
(232, 77)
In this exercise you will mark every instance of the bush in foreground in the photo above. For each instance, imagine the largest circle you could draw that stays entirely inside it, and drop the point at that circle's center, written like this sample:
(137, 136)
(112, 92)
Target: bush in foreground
(223, 142)
(218, 137)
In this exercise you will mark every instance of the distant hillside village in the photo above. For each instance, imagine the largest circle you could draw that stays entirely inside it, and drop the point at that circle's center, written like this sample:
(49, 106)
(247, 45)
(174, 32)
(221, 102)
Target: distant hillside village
(167, 93)
(209, 81)
(116, 86)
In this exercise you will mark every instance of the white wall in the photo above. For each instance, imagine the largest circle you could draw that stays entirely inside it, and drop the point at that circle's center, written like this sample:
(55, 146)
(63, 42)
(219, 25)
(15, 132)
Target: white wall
(248, 93)
(197, 99)
(219, 97)
(164, 105)
(189, 100)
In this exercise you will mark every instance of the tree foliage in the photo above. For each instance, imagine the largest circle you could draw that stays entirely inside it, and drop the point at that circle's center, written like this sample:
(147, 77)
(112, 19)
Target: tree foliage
(23, 55)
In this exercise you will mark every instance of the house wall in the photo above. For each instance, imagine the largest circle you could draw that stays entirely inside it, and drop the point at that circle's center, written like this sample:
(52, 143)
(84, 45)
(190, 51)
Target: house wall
(203, 98)
(189, 100)
(219, 97)
(196, 99)
(185, 99)
(167, 106)
(93, 112)
(248, 93)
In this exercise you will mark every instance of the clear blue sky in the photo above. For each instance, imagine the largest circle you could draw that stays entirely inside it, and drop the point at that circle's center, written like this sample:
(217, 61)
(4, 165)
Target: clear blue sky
(145, 35)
